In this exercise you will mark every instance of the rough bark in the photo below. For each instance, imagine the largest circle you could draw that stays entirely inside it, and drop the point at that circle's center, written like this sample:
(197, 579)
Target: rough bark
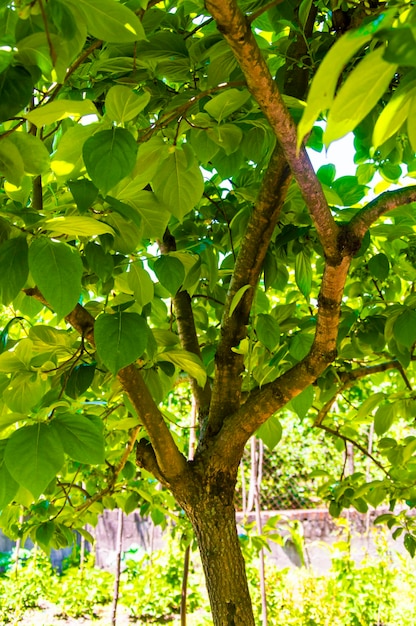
(212, 516)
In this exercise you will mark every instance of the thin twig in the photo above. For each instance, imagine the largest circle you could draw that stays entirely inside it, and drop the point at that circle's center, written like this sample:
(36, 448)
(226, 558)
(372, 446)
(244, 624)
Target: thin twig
(357, 445)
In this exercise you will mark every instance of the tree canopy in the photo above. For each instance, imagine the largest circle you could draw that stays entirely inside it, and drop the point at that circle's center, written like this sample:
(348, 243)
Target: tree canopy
(161, 223)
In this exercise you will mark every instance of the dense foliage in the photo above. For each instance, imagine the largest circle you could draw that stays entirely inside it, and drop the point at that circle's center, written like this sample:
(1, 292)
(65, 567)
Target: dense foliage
(161, 222)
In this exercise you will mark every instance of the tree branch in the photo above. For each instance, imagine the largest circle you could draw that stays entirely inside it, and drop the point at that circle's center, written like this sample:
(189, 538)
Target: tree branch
(172, 464)
(187, 333)
(229, 365)
(356, 445)
(349, 378)
(384, 203)
(262, 403)
(235, 28)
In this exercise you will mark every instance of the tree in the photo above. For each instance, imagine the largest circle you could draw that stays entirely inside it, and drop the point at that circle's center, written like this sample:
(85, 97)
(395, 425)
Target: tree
(161, 219)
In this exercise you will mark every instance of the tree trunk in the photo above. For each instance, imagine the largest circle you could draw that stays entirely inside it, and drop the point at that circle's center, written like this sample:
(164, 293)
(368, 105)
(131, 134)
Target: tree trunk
(213, 519)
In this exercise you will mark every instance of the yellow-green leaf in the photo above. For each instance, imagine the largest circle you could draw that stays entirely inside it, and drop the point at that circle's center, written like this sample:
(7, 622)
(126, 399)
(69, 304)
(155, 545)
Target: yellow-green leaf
(359, 94)
(323, 86)
(59, 110)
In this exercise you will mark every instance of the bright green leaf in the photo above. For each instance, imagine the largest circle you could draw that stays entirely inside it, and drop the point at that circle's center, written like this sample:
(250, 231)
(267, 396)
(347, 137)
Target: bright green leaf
(78, 226)
(110, 20)
(33, 456)
(179, 183)
(57, 270)
(187, 361)
(226, 103)
(120, 339)
(270, 432)
(394, 114)
(321, 93)
(59, 110)
(141, 284)
(122, 104)
(34, 154)
(237, 298)
(80, 439)
(109, 156)
(359, 94)
(303, 402)
(303, 272)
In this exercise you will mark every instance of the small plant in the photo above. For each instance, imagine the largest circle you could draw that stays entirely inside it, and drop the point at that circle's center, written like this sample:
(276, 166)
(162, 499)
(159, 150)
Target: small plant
(151, 584)
(22, 587)
(79, 592)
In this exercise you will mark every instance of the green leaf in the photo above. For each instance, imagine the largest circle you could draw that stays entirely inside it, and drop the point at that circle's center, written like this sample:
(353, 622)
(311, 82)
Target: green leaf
(379, 266)
(304, 10)
(120, 339)
(34, 455)
(110, 21)
(368, 406)
(14, 268)
(404, 328)
(179, 183)
(100, 262)
(109, 156)
(77, 226)
(300, 345)
(59, 110)
(303, 402)
(67, 160)
(267, 331)
(237, 298)
(141, 284)
(79, 380)
(80, 438)
(394, 114)
(122, 104)
(270, 432)
(16, 86)
(326, 174)
(409, 543)
(8, 486)
(24, 392)
(226, 103)
(359, 94)
(84, 193)
(170, 272)
(303, 272)
(34, 154)
(57, 270)
(154, 215)
(189, 362)
(384, 418)
(11, 162)
(227, 136)
(321, 93)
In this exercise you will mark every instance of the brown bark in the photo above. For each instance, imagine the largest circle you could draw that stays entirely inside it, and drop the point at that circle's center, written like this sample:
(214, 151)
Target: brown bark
(212, 515)
(235, 27)
(226, 394)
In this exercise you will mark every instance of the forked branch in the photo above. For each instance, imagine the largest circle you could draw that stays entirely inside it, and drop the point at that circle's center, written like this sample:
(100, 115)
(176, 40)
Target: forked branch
(170, 461)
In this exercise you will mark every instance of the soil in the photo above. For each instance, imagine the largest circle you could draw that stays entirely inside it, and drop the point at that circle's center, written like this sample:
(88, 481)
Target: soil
(49, 614)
